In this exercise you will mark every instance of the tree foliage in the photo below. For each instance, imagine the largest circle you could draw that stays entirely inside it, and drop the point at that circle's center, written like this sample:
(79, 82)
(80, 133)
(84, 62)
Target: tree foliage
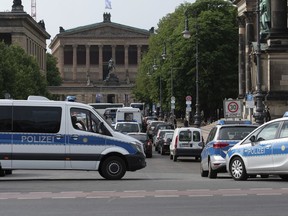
(52, 74)
(216, 21)
(20, 75)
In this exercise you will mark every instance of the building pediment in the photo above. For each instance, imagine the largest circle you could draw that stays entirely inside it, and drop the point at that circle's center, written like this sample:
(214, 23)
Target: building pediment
(105, 30)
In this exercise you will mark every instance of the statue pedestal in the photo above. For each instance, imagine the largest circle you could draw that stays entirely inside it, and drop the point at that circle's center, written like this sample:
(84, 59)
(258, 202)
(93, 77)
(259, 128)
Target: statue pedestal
(17, 8)
(111, 79)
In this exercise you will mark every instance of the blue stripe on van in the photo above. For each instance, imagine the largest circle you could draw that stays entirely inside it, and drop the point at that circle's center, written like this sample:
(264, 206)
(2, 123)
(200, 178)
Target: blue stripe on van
(51, 139)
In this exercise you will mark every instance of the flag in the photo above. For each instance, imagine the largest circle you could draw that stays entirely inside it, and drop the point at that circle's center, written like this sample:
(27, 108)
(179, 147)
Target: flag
(108, 4)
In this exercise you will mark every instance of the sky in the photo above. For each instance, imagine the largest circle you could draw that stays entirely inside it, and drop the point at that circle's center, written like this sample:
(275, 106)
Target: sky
(142, 14)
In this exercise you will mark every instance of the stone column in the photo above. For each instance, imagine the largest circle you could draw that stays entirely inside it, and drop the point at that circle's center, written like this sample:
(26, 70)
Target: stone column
(241, 57)
(61, 60)
(88, 64)
(249, 38)
(87, 57)
(126, 57)
(74, 61)
(100, 62)
(114, 53)
(139, 54)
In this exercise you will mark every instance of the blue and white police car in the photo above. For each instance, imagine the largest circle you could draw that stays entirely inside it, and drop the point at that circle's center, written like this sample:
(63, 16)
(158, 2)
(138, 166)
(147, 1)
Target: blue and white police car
(222, 137)
(263, 152)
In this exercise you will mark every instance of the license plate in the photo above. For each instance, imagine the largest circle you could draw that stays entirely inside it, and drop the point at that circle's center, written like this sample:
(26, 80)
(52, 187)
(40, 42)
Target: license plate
(186, 145)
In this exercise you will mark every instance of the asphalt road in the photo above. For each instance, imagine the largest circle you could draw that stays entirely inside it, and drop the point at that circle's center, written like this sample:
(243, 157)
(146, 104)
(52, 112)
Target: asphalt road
(162, 188)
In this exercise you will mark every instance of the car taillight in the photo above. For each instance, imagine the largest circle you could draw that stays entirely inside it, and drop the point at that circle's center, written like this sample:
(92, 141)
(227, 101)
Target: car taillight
(176, 142)
(220, 145)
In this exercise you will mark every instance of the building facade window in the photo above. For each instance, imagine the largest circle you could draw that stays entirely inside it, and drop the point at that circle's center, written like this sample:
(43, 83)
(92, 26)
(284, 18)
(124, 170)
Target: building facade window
(68, 55)
(120, 55)
(132, 55)
(94, 55)
(81, 55)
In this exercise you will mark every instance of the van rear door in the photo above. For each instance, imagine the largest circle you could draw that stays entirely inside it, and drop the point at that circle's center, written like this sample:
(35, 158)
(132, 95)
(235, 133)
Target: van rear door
(5, 134)
(38, 140)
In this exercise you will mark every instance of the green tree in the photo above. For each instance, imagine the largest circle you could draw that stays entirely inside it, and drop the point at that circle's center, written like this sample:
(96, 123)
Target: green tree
(20, 75)
(218, 57)
(53, 74)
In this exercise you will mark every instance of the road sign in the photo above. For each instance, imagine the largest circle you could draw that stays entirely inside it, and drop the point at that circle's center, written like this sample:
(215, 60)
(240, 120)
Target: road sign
(250, 101)
(188, 98)
(188, 102)
(232, 108)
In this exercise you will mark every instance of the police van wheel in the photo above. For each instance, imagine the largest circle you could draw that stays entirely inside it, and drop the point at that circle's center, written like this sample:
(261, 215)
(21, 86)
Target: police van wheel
(284, 177)
(8, 172)
(237, 169)
(2, 173)
(112, 168)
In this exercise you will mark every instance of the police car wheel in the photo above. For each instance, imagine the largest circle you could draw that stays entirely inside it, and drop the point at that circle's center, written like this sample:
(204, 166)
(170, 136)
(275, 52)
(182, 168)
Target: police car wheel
(237, 169)
(113, 168)
(211, 173)
(203, 173)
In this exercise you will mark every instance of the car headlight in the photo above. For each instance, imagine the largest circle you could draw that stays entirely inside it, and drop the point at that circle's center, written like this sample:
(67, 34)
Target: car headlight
(139, 146)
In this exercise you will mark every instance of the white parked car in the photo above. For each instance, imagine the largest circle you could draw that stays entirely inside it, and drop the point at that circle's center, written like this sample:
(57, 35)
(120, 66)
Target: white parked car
(127, 127)
(186, 142)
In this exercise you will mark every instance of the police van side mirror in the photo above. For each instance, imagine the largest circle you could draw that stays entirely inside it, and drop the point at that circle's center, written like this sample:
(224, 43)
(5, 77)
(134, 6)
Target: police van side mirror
(252, 138)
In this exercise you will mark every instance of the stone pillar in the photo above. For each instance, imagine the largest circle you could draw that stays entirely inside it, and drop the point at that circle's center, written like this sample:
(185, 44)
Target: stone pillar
(126, 57)
(249, 38)
(88, 64)
(139, 54)
(100, 62)
(74, 62)
(241, 57)
(114, 53)
(61, 60)
(87, 57)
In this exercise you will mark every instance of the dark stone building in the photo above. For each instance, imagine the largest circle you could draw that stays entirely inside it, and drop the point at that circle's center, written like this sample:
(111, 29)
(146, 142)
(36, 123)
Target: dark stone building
(18, 27)
(273, 77)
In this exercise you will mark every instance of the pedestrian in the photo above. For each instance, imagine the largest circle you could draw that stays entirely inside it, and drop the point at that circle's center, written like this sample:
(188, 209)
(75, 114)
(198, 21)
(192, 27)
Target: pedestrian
(186, 123)
(175, 122)
(267, 114)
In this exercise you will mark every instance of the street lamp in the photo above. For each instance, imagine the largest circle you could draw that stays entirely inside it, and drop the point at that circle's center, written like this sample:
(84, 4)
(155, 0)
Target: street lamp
(186, 34)
(259, 114)
(164, 56)
(155, 67)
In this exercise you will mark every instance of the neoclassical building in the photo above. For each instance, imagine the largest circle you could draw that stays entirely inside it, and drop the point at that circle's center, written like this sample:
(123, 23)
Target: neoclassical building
(84, 54)
(19, 28)
(273, 67)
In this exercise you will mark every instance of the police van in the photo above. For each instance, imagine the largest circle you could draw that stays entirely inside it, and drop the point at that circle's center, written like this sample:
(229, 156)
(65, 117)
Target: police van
(41, 134)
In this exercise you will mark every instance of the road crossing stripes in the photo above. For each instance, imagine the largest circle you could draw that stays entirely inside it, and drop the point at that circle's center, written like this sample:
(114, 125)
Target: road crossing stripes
(143, 193)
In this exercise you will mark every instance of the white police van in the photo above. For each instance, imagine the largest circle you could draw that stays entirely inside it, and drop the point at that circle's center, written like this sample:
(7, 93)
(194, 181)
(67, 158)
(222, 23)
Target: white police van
(61, 135)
